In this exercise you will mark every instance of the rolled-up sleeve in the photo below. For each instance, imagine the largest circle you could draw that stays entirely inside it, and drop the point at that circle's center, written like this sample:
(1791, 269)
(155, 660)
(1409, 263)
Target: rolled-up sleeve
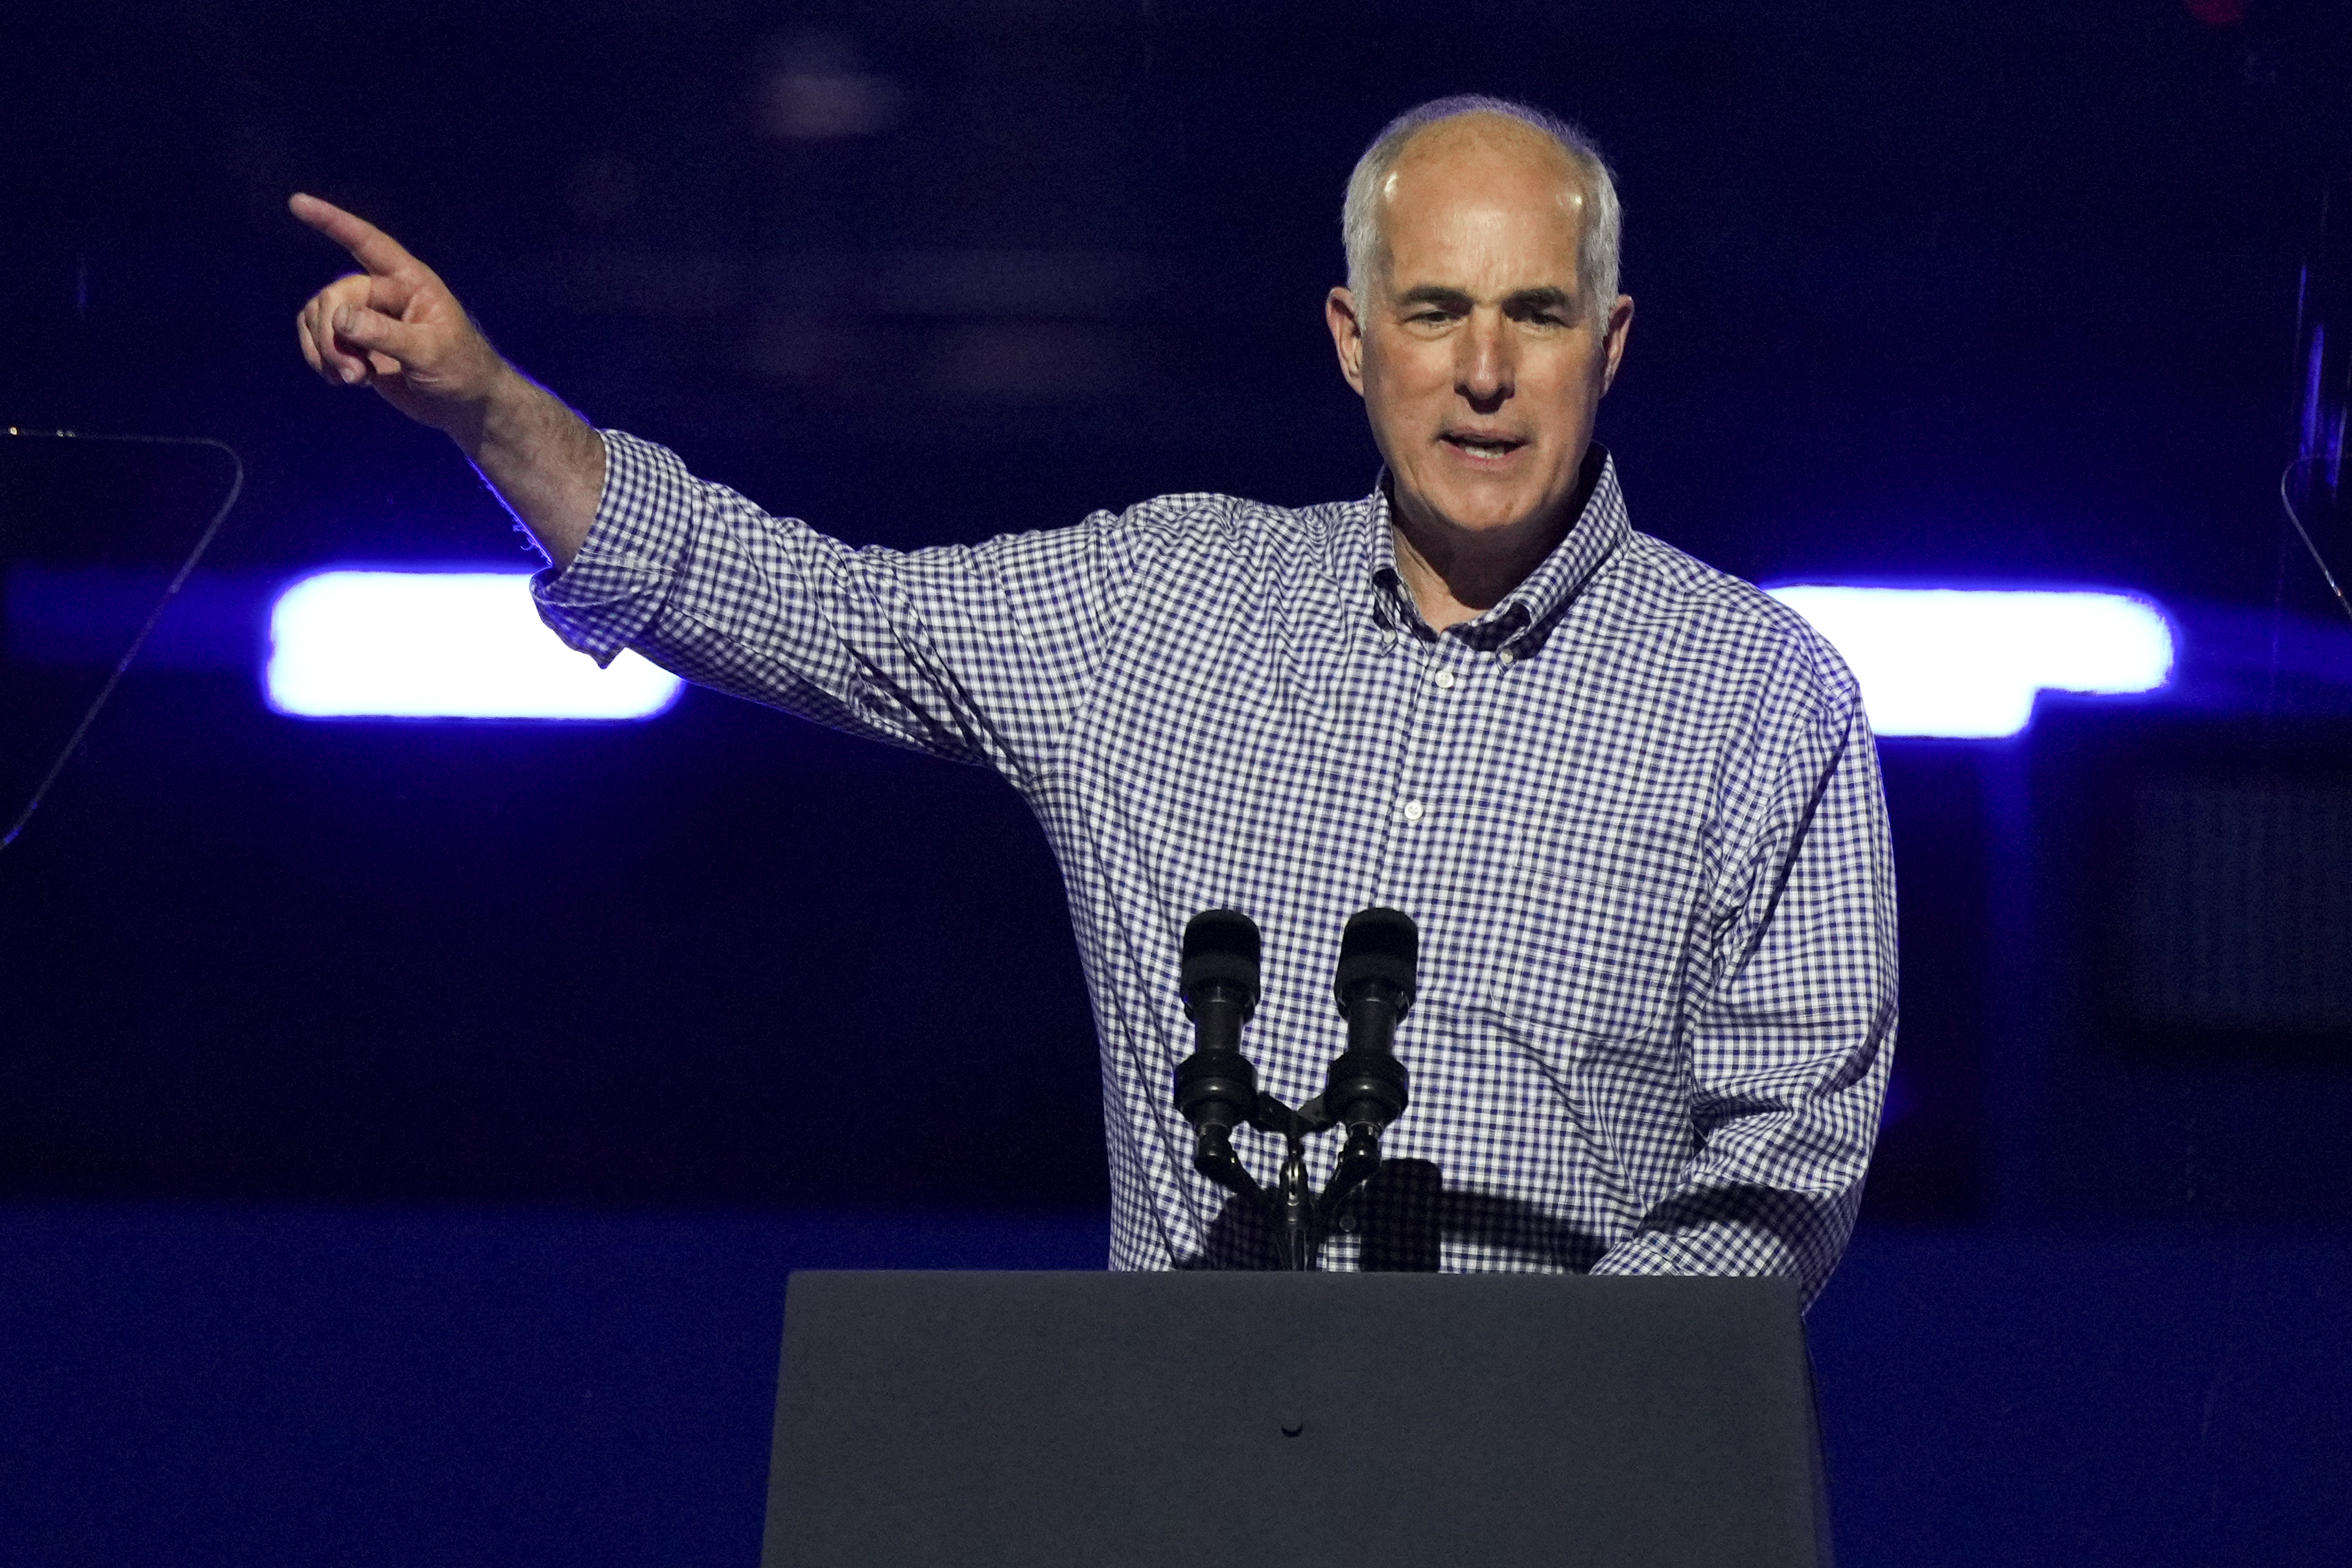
(615, 586)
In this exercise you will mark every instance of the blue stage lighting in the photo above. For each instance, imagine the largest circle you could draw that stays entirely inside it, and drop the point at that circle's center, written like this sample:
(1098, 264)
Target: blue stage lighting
(1967, 663)
(440, 644)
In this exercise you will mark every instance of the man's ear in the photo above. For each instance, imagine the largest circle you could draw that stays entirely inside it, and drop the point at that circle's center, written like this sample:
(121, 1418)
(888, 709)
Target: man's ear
(1346, 335)
(1620, 325)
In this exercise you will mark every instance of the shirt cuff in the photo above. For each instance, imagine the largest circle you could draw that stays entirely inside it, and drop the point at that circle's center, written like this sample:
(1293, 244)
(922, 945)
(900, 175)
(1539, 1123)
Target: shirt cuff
(617, 585)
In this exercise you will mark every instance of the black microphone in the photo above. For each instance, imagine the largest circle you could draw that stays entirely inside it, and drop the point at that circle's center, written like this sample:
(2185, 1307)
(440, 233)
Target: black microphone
(1216, 1087)
(1378, 956)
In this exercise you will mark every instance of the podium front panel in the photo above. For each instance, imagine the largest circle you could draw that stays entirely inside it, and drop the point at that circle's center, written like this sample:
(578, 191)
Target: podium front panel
(1200, 1420)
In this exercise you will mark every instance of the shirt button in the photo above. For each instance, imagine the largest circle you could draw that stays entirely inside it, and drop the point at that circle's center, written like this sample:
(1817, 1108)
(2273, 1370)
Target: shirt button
(1414, 811)
(1504, 655)
(1444, 679)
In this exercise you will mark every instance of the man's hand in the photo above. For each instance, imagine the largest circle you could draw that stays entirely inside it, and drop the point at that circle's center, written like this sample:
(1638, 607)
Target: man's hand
(397, 327)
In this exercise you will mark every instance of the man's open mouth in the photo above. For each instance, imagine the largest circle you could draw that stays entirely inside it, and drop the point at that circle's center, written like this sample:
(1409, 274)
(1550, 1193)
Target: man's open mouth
(1490, 447)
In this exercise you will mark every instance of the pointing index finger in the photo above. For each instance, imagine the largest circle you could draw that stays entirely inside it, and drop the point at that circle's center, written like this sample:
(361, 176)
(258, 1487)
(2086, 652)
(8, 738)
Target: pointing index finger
(372, 248)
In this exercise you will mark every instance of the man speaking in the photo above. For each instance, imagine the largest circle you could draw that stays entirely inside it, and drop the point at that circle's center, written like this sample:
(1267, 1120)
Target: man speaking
(1632, 803)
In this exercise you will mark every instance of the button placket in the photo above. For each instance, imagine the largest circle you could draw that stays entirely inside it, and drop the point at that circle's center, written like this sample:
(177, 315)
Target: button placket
(1432, 670)
(1397, 671)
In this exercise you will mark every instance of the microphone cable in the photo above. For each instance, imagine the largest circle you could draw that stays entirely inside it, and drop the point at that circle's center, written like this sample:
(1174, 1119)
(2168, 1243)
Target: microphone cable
(179, 580)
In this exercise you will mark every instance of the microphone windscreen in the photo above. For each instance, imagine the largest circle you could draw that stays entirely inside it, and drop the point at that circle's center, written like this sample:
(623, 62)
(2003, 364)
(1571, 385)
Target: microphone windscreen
(1380, 945)
(1220, 945)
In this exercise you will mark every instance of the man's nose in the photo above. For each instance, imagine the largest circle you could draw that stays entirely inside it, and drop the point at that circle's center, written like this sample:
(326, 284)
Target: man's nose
(1482, 371)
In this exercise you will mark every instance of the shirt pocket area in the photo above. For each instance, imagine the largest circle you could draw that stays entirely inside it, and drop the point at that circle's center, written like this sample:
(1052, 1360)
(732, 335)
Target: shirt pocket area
(1591, 931)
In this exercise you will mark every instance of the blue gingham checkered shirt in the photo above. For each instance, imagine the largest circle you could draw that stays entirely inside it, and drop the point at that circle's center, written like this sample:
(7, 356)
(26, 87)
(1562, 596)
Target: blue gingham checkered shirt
(1634, 807)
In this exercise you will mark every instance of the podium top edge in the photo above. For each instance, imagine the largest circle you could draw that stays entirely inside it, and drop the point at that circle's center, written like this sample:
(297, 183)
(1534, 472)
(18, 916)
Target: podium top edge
(1211, 1279)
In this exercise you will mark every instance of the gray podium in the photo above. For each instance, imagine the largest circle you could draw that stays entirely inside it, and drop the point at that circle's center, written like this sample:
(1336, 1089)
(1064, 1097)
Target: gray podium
(1270, 1419)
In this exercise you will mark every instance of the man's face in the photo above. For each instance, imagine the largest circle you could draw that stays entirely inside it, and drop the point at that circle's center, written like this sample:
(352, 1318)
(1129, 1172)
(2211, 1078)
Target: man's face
(1479, 361)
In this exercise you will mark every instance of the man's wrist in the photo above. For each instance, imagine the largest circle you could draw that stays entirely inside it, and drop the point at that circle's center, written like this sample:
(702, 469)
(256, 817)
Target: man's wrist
(545, 462)
(513, 416)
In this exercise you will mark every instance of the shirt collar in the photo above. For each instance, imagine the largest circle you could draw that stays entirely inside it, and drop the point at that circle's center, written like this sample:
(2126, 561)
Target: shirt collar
(1601, 527)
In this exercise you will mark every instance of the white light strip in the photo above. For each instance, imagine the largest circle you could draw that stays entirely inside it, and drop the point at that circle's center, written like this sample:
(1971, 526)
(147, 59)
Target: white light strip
(1967, 663)
(440, 644)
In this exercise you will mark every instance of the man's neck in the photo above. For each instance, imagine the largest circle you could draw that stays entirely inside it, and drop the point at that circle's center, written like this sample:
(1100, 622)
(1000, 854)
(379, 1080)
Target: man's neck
(1456, 576)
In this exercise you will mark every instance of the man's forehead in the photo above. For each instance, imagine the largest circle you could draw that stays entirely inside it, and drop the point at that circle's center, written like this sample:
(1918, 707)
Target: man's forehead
(1484, 148)
(1494, 193)
(1483, 177)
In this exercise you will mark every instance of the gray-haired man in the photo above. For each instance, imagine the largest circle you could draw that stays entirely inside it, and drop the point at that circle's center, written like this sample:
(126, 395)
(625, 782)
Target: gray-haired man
(1633, 803)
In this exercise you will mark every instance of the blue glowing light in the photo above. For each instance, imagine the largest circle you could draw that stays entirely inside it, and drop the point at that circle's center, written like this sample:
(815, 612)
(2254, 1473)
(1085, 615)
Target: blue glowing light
(440, 644)
(1967, 663)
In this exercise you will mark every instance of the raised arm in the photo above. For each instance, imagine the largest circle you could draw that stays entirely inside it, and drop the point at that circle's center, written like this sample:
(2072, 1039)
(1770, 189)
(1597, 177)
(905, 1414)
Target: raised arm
(394, 326)
(975, 652)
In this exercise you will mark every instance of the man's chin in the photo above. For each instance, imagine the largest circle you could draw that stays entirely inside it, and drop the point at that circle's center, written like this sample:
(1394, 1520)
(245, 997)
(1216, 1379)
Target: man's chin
(1479, 515)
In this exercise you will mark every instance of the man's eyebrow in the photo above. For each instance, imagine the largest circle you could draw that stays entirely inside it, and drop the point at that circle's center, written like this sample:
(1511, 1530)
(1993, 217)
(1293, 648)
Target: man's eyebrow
(1519, 302)
(1545, 298)
(1435, 294)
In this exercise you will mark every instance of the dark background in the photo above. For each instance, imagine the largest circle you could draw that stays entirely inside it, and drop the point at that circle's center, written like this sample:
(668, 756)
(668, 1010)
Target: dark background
(1931, 292)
